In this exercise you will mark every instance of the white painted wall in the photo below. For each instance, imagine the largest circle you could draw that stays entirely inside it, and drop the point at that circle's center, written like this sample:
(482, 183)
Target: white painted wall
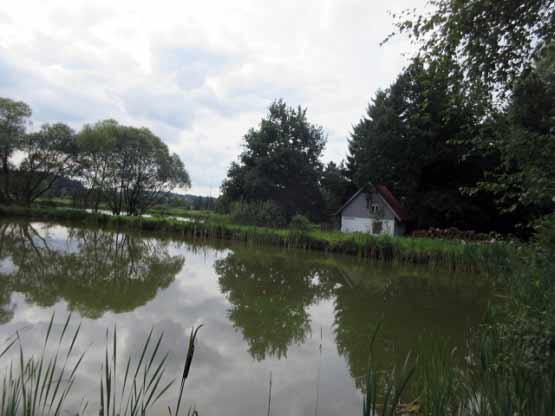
(365, 225)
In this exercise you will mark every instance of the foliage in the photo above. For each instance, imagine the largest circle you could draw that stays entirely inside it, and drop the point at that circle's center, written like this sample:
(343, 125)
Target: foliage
(193, 215)
(130, 167)
(280, 162)
(499, 56)
(529, 334)
(300, 223)
(408, 141)
(95, 145)
(525, 144)
(336, 187)
(494, 41)
(14, 117)
(49, 156)
(260, 213)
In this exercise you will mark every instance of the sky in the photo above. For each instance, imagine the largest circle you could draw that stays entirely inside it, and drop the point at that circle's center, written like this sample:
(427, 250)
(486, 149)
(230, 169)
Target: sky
(199, 74)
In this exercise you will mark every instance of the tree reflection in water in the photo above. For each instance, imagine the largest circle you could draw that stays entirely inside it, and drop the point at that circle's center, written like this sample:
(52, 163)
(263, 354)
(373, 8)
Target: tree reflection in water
(413, 308)
(270, 292)
(94, 271)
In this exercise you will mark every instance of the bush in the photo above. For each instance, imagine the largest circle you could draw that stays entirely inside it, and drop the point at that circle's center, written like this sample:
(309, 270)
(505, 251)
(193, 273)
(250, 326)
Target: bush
(300, 223)
(260, 213)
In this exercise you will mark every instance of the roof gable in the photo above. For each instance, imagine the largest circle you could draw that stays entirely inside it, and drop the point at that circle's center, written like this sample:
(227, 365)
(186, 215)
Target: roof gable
(392, 202)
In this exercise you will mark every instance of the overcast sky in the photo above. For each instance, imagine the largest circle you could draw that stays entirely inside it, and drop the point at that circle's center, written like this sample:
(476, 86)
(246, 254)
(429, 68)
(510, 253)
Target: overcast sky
(199, 74)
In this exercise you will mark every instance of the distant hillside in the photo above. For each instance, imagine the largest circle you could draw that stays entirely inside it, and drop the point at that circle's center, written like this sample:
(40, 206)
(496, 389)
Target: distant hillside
(195, 202)
(64, 187)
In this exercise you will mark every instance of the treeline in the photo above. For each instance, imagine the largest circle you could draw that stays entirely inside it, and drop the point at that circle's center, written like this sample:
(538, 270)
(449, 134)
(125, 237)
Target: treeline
(126, 168)
(456, 156)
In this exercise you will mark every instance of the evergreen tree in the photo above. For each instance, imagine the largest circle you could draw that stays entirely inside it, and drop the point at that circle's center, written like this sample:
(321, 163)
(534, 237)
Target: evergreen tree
(411, 140)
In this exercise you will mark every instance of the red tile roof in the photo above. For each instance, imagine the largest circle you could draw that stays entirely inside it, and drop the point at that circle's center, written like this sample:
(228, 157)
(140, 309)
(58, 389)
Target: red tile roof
(392, 202)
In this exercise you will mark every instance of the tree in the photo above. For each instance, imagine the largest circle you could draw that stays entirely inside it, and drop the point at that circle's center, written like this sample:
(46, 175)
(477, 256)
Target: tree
(130, 167)
(500, 47)
(95, 151)
(280, 162)
(48, 156)
(14, 118)
(410, 140)
(336, 187)
(524, 143)
(494, 41)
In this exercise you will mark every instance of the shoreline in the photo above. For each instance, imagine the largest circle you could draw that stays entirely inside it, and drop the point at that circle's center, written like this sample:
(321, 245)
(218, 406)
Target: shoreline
(464, 256)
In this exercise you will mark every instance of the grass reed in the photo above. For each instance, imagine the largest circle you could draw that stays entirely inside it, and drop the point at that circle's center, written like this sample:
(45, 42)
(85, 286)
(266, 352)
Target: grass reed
(42, 386)
(436, 384)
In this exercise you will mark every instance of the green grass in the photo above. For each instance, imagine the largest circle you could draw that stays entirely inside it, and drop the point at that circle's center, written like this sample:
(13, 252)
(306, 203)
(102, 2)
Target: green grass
(435, 384)
(209, 216)
(474, 257)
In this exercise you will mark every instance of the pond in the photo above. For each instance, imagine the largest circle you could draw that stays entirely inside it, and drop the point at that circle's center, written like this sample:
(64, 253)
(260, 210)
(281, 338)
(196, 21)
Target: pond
(304, 318)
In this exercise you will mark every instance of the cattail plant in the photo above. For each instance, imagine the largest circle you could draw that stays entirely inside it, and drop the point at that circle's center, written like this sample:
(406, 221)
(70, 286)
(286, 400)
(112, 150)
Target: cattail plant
(186, 369)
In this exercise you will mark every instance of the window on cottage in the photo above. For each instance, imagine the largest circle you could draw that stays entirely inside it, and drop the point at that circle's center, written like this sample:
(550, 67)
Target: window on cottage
(374, 208)
(377, 227)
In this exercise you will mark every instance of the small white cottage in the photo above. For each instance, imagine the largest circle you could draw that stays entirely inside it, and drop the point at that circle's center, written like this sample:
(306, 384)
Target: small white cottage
(373, 209)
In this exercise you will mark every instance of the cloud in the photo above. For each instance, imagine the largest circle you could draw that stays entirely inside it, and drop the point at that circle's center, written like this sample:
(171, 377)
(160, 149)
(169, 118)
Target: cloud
(172, 108)
(224, 377)
(199, 74)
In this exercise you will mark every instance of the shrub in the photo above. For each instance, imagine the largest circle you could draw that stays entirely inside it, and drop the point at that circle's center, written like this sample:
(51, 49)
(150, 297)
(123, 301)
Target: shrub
(300, 223)
(260, 213)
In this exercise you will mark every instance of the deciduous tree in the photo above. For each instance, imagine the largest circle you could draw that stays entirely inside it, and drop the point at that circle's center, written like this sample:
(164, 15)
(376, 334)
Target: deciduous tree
(280, 162)
(14, 119)
(48, 156)
(494, 41)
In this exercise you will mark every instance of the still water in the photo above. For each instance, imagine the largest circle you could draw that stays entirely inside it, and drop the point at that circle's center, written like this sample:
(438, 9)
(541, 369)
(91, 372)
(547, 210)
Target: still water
(303, 317)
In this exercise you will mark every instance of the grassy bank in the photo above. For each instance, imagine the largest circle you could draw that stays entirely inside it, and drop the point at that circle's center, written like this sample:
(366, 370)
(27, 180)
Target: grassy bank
(510, 365)
(475, 257)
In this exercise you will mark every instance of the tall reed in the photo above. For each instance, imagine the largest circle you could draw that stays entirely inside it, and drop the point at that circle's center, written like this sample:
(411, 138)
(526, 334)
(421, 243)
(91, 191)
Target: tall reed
(437, 384)
(42, 386)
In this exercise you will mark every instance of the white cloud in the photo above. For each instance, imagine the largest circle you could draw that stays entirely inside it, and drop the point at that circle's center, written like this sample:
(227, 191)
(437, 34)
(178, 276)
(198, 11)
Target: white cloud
(199, 74)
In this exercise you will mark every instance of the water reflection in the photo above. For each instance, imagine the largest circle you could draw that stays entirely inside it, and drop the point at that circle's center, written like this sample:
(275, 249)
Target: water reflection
(92, 270)
(413, 311)
(269, 295)
(263, 309)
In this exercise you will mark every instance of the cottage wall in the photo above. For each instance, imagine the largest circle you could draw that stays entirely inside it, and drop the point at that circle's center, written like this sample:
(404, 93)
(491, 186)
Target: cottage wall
(357, 216)
(359, 207)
